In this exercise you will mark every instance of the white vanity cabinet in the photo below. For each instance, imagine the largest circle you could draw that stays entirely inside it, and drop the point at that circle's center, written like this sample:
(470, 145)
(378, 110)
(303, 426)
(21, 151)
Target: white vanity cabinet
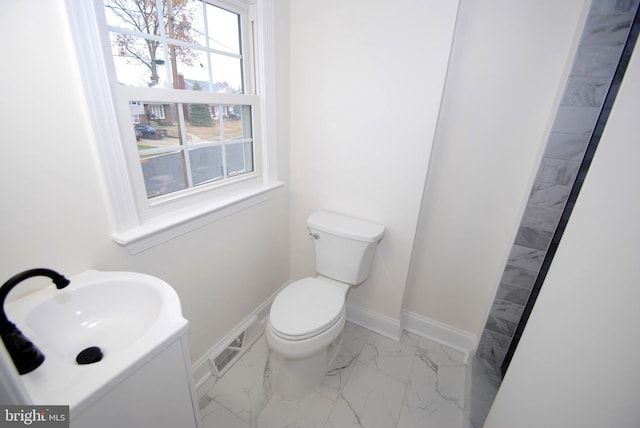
(157, 394)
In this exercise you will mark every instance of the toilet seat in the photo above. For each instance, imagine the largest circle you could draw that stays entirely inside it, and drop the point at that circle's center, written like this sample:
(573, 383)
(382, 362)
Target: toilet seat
(306, 308)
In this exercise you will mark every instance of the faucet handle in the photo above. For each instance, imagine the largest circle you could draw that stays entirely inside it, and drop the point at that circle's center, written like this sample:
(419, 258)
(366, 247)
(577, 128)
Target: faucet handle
(26, 356)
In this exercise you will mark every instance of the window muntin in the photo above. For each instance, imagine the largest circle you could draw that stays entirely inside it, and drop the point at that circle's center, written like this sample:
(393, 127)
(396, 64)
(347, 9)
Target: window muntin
(186, 119)
(204, 44)
(200, 144)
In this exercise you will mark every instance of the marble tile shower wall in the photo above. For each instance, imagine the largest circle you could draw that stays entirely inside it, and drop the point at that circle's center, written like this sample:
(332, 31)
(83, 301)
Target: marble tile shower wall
(599, 51)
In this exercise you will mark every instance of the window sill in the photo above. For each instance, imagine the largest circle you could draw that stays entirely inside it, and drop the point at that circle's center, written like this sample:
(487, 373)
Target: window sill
(162, 229)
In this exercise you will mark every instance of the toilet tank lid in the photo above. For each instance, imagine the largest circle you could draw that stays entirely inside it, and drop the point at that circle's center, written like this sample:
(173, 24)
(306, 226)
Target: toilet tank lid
(346, 227)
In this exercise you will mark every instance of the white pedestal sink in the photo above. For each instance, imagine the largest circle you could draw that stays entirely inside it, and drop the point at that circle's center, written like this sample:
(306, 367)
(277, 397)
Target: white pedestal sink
(144, 377)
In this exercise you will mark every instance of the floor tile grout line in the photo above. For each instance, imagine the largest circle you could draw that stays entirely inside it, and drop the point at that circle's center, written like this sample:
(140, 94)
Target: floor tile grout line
(414, 345)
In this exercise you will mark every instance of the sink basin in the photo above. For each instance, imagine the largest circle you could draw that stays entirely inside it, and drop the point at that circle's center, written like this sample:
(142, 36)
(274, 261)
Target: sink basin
(105, 314)
(129, 316)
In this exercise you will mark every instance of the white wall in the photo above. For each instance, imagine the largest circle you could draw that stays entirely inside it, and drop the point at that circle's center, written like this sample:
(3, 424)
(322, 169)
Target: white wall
(366, 84)
(507, 71)
(576, 364)
(54, 212)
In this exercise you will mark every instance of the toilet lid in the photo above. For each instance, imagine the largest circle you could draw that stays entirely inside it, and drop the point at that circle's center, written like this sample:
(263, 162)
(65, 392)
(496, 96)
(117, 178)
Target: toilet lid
(306, 307)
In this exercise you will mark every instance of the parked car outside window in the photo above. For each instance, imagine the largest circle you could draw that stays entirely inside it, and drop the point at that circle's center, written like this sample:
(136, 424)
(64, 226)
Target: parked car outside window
(148, 131)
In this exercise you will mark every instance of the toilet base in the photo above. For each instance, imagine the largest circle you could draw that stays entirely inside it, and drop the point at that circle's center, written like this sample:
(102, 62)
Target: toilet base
(293, 379)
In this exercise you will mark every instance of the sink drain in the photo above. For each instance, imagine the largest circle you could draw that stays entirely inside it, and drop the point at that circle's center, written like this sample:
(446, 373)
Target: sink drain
(91, 355)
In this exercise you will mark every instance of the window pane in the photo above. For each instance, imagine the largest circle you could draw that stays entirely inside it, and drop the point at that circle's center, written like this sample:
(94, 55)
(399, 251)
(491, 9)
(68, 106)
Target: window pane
(223, 29)
(206, 164)
(210, 73)
(227, 73)
(201, 123)
(139, 62)
(155, 121)
(239, 158)
(239, 155)
(132, 15)
(146, 53)
(186, 145)
(191, 64)
(159, 147)
(211, 27)
(237, 122)
(163, 173)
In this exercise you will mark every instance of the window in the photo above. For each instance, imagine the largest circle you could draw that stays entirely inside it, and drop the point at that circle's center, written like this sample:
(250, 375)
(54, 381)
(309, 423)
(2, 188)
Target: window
(183, 45)
(182, 109)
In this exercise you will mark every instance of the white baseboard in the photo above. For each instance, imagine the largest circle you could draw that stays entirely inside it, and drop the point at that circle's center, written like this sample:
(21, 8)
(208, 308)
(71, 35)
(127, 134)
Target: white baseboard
(202, 373)
(442, 333)
(371, 320)
(374, 321)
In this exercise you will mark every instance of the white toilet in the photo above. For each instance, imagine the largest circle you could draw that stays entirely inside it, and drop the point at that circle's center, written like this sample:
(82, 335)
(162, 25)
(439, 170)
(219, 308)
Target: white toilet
(308, 316)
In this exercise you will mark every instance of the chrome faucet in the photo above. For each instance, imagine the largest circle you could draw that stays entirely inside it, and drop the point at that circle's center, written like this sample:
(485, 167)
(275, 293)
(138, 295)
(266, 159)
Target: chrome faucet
(26, 356)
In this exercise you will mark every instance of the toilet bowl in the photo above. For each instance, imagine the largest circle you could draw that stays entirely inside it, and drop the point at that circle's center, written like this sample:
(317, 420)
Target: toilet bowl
(301, 352)
(307, 318)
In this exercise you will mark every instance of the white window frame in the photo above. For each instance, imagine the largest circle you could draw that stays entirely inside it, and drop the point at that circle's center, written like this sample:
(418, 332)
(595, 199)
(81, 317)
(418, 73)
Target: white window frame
(138, 226)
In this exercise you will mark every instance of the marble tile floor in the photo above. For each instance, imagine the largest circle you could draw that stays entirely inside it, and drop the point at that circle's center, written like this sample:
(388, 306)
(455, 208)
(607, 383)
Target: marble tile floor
(373, 382)
(485, 381)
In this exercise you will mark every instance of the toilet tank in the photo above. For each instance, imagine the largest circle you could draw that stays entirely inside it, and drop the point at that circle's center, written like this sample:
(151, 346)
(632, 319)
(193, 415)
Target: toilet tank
(344, 246)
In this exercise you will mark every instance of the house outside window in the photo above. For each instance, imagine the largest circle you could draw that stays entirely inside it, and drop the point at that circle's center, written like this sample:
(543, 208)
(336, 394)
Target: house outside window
(186, 84)
(156, 111)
